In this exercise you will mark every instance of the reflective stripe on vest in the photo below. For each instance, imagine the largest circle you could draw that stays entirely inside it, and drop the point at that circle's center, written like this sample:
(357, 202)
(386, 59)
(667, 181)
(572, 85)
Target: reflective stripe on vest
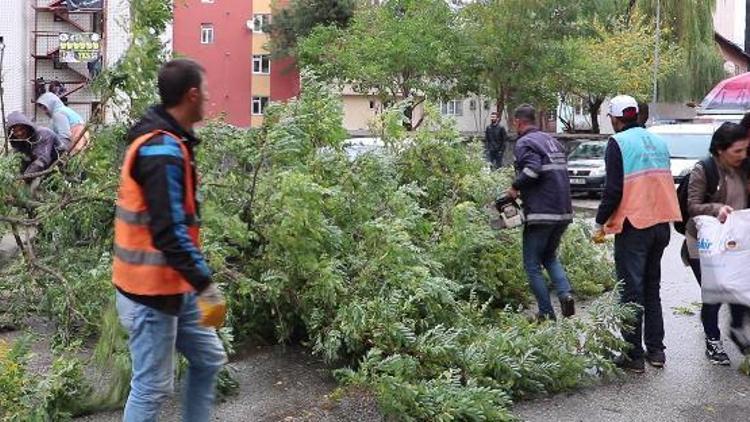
(649, 197)
(139, 267)
(142, 218)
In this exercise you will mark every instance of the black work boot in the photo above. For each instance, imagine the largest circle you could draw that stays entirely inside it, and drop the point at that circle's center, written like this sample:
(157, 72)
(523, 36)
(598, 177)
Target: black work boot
(637, 366)
(567, 306)
(656, 358)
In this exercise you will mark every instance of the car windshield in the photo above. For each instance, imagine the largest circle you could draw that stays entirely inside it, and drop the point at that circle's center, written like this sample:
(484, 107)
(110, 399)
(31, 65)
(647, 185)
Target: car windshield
(588, 151)
(687, 146)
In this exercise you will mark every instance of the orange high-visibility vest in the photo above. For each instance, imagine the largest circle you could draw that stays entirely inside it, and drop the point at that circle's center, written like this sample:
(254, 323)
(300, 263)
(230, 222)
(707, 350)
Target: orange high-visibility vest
(139, 268)
(648, 196)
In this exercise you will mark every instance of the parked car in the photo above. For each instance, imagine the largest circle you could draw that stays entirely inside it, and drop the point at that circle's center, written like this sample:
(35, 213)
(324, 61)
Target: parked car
(688, 143)
(586, 167)
(355, 147)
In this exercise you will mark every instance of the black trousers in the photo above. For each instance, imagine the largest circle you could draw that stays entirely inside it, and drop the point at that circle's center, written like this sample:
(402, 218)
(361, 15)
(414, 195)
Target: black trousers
(638, 254)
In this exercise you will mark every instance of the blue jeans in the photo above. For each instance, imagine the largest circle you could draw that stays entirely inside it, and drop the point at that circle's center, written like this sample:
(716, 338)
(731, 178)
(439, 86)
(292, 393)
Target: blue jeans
(154, 338)
(638, 254)
(540, 243)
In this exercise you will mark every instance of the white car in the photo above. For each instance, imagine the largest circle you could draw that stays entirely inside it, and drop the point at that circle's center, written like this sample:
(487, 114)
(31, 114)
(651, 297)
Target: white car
(688, 143)
(355, 147)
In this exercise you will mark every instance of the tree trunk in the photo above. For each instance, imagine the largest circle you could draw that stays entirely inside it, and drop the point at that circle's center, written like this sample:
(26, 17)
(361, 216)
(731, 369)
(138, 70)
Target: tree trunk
(594, 105)
(500, 103)
(408, 115)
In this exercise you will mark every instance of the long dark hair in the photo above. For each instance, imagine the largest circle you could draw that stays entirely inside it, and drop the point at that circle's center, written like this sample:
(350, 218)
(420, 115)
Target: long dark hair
(726, 135)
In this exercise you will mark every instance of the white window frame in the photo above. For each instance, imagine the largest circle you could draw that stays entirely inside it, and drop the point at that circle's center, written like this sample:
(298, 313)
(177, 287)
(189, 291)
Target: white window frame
(258, 61)
(207, 33)
(261, 103)
(207, 1)
(259, 21)
(452, 108)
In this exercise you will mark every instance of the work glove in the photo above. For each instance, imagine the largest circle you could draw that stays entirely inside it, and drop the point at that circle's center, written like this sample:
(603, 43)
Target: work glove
(599, 235)
(212, 306)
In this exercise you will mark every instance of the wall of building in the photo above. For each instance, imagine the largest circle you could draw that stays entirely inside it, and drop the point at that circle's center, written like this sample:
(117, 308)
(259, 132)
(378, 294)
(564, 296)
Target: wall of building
(228, 61)
(285, 80)
(359, 110)
(729, 20)
(15, 32)
(475, 114)
(734, 63)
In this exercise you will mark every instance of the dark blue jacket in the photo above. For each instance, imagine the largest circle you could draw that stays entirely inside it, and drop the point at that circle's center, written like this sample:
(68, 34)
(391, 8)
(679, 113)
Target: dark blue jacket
(542, 177)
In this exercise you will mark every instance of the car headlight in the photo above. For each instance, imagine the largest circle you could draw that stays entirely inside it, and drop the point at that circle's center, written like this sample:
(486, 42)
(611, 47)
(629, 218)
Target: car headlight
(599, 171)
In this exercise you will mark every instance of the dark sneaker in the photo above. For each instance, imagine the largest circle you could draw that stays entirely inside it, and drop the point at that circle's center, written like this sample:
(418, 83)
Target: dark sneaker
(656, 358)
(716, 354)
(740, 339)
(540, 318)
(637, 366)
(567, 306)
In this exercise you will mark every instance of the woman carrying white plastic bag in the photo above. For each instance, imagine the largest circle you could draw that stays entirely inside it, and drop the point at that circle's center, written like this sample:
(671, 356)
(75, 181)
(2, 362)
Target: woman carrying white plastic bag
(717, 187)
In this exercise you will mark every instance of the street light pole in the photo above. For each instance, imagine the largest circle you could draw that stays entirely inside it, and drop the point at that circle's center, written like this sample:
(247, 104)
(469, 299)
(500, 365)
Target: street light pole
(2, 96)
(656, 56)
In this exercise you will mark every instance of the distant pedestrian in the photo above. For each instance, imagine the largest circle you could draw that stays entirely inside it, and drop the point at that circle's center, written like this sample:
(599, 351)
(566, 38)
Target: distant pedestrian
(638, 203)
(495, 141)
(718, 186)
(543, 184)
(166, 299)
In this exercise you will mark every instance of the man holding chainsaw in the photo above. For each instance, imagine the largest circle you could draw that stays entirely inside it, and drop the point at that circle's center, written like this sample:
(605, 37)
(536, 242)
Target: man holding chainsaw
(166, 299)
(543, 184)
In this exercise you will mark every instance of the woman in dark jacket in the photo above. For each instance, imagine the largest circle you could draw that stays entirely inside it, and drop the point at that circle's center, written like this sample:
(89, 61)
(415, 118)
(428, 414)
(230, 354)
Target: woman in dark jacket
(729, 151)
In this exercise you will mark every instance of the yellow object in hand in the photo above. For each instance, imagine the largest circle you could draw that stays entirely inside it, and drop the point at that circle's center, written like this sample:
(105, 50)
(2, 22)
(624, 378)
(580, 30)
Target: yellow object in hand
(599, 237)
(213, 307)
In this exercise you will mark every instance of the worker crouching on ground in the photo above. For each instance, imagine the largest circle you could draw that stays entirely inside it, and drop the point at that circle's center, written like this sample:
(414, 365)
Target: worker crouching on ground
(37, 145)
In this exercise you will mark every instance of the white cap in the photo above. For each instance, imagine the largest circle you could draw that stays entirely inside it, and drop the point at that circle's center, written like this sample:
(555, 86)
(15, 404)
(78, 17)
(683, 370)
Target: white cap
(620, 103)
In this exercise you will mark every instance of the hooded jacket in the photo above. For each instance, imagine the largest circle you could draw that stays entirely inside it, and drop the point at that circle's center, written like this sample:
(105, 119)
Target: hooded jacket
(39, 150)
(65, 121)
(159, 171)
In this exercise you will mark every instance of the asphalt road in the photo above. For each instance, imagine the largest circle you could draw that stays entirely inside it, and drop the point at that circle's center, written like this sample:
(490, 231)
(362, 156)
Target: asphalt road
(688, 389)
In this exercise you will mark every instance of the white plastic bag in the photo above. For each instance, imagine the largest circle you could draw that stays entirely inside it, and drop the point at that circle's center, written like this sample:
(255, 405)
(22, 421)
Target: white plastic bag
(724, 251)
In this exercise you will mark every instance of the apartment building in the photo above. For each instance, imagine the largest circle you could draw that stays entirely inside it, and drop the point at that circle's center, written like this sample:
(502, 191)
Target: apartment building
(32, 32)
(227, 37)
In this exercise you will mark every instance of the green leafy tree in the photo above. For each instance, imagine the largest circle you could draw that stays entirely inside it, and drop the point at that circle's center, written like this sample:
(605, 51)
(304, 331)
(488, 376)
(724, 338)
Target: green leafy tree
(516, 44)
(296, 20)
(402, 50)
(692, 28)
(615, 59)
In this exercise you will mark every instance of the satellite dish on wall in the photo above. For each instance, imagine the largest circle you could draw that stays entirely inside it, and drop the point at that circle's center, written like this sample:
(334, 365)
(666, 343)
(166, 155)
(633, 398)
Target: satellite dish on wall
(250, 24)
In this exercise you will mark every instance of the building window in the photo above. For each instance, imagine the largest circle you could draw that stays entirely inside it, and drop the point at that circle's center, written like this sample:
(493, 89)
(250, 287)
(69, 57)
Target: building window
(452, 108)
(261, 64)
(472, 105)
(372, 105)
(207, 33)
(260, 21)
(259, 105)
